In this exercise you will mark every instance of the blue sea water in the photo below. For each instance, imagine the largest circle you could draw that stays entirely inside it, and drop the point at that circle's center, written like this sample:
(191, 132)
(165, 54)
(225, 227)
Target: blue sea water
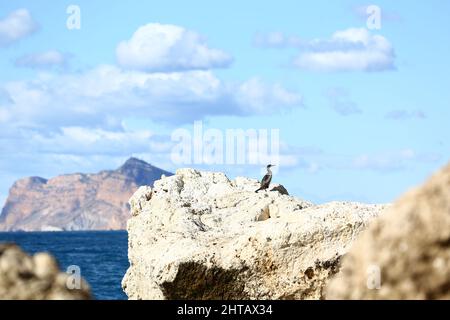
(101, 255)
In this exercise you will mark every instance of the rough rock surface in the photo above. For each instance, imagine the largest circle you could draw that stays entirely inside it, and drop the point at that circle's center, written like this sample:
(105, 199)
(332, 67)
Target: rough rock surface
(23, 277)
(198, 235)
(409, 245)
(76, 201)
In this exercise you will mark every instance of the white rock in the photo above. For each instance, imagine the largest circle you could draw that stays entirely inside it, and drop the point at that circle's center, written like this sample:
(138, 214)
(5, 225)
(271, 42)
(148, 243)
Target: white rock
(202, 236)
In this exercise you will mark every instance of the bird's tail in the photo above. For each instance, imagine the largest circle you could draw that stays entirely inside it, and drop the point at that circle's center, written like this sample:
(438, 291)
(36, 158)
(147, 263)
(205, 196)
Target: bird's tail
(258, 190)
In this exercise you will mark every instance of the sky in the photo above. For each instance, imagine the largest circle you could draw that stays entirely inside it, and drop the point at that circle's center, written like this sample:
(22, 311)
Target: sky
(358, 92)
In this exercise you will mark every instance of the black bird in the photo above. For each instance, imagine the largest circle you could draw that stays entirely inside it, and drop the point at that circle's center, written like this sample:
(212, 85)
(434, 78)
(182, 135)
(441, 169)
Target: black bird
(265, 182)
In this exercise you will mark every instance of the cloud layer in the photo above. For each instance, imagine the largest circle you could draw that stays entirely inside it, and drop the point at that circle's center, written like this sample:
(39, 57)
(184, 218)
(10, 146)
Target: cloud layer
(348, 50)
(164, 47)
(103, 96)
(17, 25)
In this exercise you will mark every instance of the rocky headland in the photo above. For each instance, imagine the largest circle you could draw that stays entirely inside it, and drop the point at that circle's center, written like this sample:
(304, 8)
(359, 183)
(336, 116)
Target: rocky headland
(76, 201)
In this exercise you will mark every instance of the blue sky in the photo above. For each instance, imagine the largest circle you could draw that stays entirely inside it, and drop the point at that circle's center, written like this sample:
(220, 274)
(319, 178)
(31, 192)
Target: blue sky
(363, 114)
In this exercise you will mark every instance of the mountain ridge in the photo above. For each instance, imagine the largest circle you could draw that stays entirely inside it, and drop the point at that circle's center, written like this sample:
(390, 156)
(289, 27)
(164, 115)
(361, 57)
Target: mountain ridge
(77, 201)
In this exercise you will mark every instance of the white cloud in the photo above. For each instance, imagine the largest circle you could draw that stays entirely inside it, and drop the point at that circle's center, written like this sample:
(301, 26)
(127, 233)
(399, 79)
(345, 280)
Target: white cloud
(17, 25)
(103, 96)
(47, 59)
(348, 50)
(162, 47)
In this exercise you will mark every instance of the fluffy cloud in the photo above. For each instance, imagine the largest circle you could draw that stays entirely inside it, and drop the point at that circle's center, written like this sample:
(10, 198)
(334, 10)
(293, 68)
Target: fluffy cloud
(106, 94)
(103, 96)
(43, 60)
(348, 50)
(160, 47)
(17, 25)
(341, 102)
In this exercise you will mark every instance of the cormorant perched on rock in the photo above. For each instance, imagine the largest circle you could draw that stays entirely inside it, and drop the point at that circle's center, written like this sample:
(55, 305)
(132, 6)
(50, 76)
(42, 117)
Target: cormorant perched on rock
(265, 182)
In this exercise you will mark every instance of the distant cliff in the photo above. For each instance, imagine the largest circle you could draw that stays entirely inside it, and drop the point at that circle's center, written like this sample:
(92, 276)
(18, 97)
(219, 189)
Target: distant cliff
(76, 201)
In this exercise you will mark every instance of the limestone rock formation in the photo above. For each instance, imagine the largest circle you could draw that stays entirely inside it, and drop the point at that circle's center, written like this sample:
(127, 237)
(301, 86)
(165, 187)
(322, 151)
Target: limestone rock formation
(23, 277)
(405, 254)
(76, 201)
(198, 235)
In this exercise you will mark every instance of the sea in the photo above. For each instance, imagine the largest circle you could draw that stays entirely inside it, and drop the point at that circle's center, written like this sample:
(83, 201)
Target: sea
(100, 255)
